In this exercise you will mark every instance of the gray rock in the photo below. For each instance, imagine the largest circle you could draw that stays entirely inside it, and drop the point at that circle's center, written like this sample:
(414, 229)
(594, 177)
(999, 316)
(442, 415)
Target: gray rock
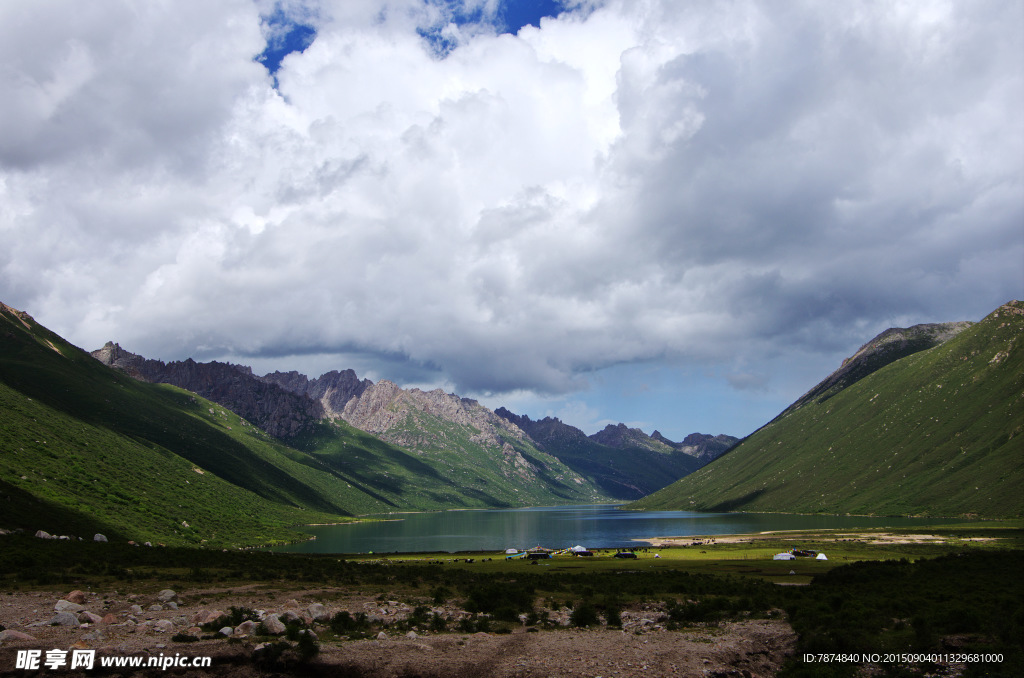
(411, 634)
(136, 609)
(289, 616)
(43, 534)
(166, 596)
(64, 619)
(156, 608)
(382, 636)
(68, 606)
(319, 613)
(246, 628)
(163, 626)
(171, 605)
(308, 632)
(226, 631)
(99, 537)
(273, 625)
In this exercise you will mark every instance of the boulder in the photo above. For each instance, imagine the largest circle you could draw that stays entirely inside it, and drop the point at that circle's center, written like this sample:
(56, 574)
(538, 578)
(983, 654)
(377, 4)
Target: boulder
(309, 632)
(167, 596)
(226, 631)
(291, 604)
(108, 619)
(13, 635)
(273, 625)
(212, 616)
(43, 534)
(289, 616)
(89, 618)
(411, 634)
(76, 597)
(99, 537)
(382, 636)
(246, 628)
(170, 605)
(68, 606)
(156, 607)
(136, 609)
(64, 619)
(319, 613)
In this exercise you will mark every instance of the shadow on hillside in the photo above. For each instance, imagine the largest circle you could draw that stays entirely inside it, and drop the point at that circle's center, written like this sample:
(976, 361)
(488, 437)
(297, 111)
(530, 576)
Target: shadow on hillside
(21, 510)
(737, 503)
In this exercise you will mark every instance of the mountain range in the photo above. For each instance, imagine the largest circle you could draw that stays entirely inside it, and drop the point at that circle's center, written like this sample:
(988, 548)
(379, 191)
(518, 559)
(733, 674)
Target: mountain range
(138, 448)
(919, 421)
(926, 420)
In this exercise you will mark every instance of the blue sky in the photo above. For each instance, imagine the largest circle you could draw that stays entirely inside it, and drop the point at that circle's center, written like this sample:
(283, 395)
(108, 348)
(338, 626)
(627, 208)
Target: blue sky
(678, 215)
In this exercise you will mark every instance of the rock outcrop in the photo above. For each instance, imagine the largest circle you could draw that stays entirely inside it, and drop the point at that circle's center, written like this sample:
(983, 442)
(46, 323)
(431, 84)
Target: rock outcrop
(273, 408)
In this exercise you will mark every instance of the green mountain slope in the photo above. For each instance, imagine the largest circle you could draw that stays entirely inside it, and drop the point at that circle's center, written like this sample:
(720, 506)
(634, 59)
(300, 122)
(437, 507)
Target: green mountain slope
(85, 448)
(936, 432)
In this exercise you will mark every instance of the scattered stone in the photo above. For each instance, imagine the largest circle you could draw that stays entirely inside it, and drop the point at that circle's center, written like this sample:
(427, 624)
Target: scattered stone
(246, 628)
(226, 631)
(43, 534)
(64, 619)
(89, 618)
(273, 625)
(14, 635)
(95, 636)
(67, 606)
(76, 597)
(382, 636)
(108, 619)
(136, 609)
(171, 605)
(290, 616)
(319, 613)
(193, 631)
(411, 634)
(166, 595)
(291, 604)
(309, 632)
(163, 626)
(99, 537)
(155, 607)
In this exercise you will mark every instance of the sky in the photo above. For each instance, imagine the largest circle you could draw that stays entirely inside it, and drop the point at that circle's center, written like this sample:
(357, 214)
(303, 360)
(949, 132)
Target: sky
(677, 215)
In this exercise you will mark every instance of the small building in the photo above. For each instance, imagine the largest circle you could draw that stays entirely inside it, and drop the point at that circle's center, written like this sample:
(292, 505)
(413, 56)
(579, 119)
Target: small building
(783, 556)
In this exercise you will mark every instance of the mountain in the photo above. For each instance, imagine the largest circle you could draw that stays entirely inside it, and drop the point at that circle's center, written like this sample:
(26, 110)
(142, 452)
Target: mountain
(275, 409)
(625, 463)
(920, 421)
(88, 449)
(454, 452)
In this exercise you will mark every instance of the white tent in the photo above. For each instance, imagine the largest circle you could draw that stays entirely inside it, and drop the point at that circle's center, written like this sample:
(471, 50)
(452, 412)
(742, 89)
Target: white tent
(821, 556)
(577, 549)
(784, 556)
(511, 551)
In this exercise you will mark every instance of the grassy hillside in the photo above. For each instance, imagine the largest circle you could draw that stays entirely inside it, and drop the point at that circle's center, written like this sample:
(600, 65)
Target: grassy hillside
(86, 449)
(933, 433)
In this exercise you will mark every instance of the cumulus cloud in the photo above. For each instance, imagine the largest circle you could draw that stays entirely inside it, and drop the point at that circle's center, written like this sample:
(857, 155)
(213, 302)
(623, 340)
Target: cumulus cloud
(632, 181)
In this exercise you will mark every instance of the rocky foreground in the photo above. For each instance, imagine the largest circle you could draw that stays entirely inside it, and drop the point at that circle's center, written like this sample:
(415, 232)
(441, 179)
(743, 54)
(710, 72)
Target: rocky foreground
(195, 623)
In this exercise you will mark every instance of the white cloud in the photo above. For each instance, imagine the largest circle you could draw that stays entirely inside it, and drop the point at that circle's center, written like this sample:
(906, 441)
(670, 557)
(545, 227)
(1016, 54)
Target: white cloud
(640, 181)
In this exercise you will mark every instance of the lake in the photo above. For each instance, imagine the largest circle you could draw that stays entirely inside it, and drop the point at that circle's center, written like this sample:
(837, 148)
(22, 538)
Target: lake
(595, 526)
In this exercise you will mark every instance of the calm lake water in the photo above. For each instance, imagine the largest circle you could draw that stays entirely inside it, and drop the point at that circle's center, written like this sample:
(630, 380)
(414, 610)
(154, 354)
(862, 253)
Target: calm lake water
(596, 526)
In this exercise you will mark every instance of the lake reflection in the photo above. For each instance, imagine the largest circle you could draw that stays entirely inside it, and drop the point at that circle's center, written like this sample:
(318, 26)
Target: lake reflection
(595, 526)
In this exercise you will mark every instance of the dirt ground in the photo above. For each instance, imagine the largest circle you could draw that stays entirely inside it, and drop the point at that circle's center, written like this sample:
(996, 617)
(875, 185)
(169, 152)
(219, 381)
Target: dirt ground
(643, 647)
(800, 535)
